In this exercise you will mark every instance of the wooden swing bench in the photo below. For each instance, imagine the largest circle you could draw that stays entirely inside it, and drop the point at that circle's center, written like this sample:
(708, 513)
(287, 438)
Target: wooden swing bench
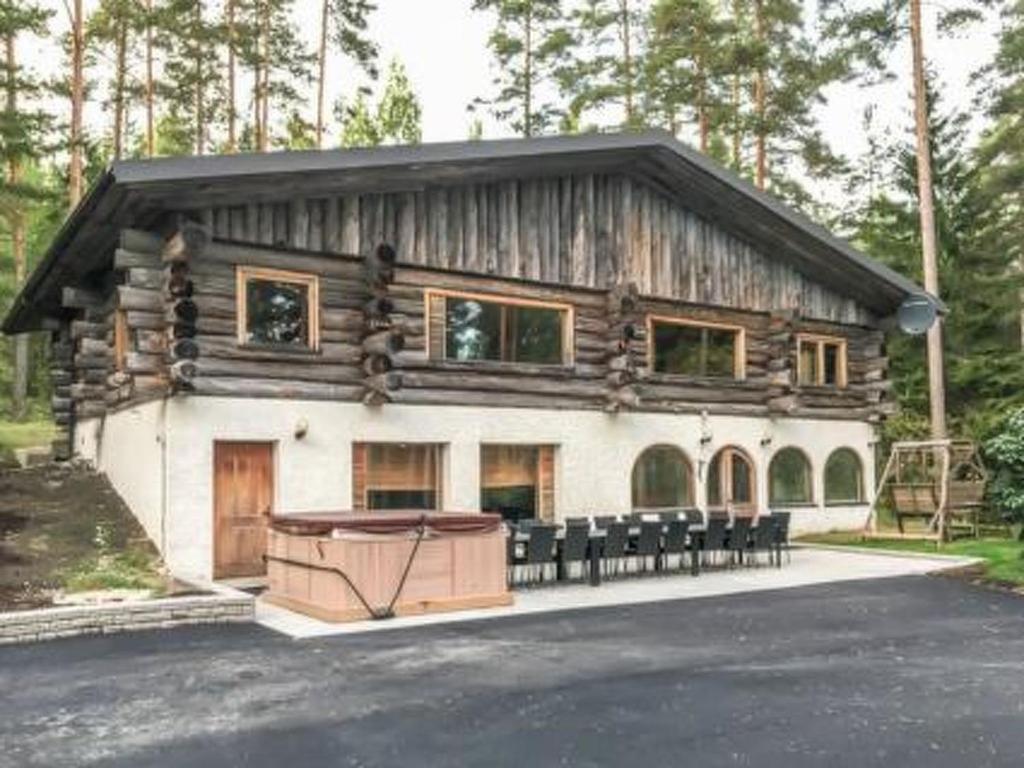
(949, 501)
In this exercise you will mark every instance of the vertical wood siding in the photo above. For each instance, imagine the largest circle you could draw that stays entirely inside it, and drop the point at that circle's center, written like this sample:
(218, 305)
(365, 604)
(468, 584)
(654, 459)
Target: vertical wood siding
(585, 231)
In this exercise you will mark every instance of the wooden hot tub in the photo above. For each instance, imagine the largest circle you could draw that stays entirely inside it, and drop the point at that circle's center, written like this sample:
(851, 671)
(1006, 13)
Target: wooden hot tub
(349, 566)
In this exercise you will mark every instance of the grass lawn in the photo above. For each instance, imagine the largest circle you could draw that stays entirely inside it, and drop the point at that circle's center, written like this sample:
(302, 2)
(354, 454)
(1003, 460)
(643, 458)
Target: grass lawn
(1004, 557)
(24, 434)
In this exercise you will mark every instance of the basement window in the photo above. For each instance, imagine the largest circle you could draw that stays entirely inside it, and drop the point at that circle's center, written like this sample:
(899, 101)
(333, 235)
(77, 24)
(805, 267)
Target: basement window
(396, 476)
(278, 309)
(689, 348)
(472, 328)
(517, 481)
(821, 361)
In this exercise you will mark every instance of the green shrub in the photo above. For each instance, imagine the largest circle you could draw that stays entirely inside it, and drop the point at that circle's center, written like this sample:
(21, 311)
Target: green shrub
(1005, 455)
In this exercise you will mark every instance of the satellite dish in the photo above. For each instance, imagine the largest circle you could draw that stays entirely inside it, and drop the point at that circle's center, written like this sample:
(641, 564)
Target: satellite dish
(916, 315)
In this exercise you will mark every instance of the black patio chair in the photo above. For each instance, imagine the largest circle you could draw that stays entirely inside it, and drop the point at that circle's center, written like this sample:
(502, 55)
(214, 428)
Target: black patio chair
(524, 524)
(648, 545)
(540, 548)
(714, 538)
(601, 522)
(675, 541)
(694, 516)
(577, 520)
(764, 539)
(634, 518)
(739, 537)
(616, 544)
(668, 517)
(510, 556)
(574, 546)
(782, 533)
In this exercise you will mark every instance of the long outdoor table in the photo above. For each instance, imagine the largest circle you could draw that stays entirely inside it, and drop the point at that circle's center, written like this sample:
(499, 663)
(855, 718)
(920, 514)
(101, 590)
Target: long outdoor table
(595, 549)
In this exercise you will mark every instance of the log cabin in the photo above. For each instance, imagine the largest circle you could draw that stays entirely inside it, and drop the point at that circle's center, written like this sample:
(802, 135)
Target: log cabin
(541, 327)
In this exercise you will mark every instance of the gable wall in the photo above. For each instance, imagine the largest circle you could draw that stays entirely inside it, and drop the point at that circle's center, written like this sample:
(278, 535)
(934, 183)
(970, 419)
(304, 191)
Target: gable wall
(584, 231)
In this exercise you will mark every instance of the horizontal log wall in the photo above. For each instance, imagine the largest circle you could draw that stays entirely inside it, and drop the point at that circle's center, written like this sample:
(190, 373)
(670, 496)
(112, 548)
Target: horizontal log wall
(582, 231)
(336, 372)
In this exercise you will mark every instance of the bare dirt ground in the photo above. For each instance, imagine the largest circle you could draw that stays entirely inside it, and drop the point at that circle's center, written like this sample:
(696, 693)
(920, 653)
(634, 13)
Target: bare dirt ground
(58, 520)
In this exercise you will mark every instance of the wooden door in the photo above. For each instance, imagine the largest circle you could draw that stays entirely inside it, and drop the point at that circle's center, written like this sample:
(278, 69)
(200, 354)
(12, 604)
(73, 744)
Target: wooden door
(243, 498)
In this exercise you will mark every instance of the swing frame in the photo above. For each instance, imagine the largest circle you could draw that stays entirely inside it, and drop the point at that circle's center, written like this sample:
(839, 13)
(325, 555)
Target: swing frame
(940, 496)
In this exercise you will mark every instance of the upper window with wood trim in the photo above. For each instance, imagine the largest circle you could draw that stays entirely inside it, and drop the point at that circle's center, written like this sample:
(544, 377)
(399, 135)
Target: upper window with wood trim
(689, 348)
(821, 361)
(472, 327)
(278, 309)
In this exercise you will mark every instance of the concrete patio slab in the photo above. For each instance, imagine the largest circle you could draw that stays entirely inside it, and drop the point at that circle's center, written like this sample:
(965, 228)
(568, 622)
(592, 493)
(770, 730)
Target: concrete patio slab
(809, 566)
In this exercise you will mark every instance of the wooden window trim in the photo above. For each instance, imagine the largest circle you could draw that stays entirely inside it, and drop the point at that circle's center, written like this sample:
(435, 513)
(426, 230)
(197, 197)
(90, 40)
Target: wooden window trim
(725, 456)
(544, 496)
(121, 339)
(739, 362)
(820, 341)
(361, 488)
(307, 279)
(568, 326)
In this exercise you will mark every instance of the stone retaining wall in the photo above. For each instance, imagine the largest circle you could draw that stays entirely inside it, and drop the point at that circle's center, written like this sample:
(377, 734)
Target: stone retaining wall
(68, 621)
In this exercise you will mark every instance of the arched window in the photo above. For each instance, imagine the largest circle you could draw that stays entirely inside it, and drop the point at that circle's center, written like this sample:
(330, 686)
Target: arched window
(662, 479)
(789, 478)
(731, 481)
(844, 477)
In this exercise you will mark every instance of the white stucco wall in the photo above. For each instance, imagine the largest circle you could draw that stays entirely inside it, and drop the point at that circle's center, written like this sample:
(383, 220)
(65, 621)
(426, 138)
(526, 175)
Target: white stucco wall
(595, 455)
(126, 447)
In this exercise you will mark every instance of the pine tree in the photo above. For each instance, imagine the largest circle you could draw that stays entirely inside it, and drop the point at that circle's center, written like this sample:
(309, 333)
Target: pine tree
(278, 59)
(76, 94)
(608, 66)
(687, 65)
(23, 130)
(112, 31)
(1001, 153)
(343, 23)
(192, 84)
(528, 43)
(985, 375)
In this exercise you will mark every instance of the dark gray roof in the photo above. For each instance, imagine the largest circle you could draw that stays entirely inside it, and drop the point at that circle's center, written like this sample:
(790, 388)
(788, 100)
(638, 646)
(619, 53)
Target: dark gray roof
(131, 190)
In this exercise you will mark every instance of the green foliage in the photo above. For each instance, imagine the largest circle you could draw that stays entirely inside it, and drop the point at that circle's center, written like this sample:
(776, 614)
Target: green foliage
(130, 569)
(395, 119)
(598, 61)
(984, 364)
(528, 43)
(399, 112)
(348, 32)
(1005, 456)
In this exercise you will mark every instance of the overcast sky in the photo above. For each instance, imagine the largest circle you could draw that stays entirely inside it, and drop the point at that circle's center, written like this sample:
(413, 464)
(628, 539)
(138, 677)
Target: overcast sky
(443, 45)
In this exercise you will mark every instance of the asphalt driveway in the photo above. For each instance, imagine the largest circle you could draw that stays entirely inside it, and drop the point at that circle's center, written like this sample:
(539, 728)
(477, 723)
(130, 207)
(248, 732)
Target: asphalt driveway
(915, 671)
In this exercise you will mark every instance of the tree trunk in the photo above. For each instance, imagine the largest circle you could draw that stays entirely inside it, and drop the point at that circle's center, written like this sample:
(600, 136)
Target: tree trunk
(121, 54)
(232, 115)
(528, 76)
(321, 73)
(627, 61)
(265, 88)
(737, 158)
(150, 124)
(760, 87)
(199, 106)
(16, 221)
(703, 124)
(929, 246)
(75, 169)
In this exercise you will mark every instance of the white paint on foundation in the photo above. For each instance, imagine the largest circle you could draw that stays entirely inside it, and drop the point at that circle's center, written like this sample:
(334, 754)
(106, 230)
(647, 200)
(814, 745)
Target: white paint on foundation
(594, 456)
(126, 447)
